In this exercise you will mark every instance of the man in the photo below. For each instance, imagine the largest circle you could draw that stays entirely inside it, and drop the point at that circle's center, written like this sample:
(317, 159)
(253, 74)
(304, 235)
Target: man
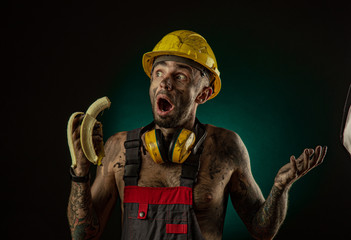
(168, 197)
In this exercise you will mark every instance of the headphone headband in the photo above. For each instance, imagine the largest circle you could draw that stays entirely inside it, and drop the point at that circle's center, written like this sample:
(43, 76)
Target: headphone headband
(183, 143)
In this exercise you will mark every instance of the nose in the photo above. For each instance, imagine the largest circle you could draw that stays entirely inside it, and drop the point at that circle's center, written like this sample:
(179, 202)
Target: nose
(166, 83)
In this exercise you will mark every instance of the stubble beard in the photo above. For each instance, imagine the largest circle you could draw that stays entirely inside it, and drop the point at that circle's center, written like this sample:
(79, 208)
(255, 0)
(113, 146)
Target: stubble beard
(177, 118)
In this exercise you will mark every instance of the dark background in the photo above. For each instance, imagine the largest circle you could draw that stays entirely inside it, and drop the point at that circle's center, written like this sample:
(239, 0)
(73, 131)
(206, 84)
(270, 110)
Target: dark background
(285, 69)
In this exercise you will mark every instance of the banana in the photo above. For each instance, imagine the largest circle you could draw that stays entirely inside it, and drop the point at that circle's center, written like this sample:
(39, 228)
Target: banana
(69, 137)
(86, 132)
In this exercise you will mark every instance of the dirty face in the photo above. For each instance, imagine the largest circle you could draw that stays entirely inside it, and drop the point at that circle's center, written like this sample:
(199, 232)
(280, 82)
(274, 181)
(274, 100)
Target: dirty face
(174, 89)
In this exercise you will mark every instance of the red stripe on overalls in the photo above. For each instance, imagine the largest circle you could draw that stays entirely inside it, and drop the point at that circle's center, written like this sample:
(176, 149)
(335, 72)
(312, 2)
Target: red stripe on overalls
(154, 195)
(176, 228)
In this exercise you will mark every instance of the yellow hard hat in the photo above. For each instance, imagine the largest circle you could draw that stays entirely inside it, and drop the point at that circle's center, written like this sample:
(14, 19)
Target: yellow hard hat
(187, 44)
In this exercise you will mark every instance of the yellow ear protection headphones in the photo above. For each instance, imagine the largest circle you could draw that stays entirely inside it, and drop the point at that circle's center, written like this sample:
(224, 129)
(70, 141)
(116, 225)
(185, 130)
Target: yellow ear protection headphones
(182, 144)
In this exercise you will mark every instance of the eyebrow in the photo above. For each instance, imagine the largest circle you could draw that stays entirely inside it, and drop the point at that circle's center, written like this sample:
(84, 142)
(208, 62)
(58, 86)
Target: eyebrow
(158, 63)
(182, 66)
(179, 65)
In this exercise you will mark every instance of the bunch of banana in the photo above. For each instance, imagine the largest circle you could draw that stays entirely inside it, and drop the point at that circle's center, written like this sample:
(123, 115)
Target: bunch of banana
(86, 132)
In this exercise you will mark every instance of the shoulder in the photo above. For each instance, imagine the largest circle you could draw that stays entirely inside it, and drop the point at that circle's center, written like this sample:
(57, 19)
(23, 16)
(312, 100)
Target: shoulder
(116, 138)
(223, 137)
(226, 143)
(114, 147)
(214, 130)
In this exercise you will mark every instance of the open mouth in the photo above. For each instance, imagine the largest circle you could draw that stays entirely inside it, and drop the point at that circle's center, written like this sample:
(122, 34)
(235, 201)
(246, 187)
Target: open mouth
(164, 105)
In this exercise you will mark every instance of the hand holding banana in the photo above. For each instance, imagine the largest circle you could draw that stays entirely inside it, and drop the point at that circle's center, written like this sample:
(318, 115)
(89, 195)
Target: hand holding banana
(81, 138)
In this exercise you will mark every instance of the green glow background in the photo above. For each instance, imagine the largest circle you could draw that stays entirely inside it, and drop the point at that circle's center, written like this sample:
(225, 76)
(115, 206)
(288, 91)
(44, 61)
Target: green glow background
(285, 69)
(275, 95)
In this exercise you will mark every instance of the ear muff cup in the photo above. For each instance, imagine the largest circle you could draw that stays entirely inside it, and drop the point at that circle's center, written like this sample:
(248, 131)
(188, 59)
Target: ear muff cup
(173, 144)
(160, 143)
(152, 146)
(177, 152)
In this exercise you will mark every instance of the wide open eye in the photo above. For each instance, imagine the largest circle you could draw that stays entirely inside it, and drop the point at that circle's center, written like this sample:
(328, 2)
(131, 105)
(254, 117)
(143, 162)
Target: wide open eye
(159, 73)
(181, 77)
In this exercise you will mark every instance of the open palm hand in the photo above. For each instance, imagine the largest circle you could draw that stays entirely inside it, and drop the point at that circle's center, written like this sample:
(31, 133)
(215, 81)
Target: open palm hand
(296, 168)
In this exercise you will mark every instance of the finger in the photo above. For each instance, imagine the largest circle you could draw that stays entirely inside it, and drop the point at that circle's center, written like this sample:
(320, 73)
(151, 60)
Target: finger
(299, 162)
(77, 121)
(97, 130)
(316, 155)
(98, 143)
(293, 164)
(97, 125)
(306, 160)
(312, 159)
(301, 159)
(321, 158)
(77, 144)
(311, 153)
(97, 139)
(97, 133)
(310, 156)
(76, 134)
(76, 126)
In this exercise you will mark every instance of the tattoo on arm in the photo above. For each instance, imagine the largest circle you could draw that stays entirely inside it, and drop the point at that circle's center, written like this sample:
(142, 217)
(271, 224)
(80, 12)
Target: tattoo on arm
(272, 213)
(82, 218)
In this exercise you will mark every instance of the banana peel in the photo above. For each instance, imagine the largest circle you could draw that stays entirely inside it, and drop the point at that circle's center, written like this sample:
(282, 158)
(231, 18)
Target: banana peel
(86, 132)
(70, 139)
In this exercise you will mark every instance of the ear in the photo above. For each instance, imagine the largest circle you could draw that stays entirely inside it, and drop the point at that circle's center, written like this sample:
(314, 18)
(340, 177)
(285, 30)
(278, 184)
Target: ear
(204, 95)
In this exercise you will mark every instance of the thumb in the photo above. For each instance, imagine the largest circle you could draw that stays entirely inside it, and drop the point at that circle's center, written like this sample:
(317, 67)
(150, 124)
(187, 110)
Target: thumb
(293, 164)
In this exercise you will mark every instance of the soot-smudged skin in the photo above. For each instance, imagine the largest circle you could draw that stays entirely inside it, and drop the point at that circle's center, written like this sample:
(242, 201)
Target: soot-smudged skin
(219, 161)
(225, 167)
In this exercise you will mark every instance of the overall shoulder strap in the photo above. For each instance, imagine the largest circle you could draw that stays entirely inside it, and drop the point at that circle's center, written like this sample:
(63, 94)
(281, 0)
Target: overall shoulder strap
(191, 166)
(133, 161)
(133, 155)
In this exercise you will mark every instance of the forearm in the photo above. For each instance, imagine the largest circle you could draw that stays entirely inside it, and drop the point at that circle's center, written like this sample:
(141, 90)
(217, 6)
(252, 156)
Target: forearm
(271, 214)
(82, 218)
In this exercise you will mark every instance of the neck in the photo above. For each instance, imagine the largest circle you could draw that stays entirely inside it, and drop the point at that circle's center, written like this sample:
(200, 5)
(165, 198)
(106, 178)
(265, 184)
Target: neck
(169, 132)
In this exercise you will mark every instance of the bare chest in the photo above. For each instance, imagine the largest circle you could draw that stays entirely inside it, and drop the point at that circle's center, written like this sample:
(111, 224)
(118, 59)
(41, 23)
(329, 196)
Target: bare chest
(209, 190)
(158, 175)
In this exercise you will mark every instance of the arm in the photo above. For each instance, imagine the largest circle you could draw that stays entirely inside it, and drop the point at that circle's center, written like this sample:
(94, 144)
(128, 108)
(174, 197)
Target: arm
(264, 217)
(82, 216)
(245, 194)
(261, 217)
(272, 213)
(89, 207)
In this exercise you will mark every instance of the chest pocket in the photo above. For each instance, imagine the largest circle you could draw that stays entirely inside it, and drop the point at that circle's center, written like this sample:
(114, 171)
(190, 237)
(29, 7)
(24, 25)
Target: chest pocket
(161, 222)
(157, 213)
